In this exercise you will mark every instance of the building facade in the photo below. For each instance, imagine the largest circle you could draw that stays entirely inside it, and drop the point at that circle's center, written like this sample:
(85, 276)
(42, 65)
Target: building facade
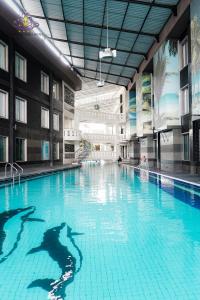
(32, 94)
(164, 105)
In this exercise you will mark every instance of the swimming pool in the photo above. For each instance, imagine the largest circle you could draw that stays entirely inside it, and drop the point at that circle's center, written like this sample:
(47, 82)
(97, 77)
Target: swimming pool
(98, 233)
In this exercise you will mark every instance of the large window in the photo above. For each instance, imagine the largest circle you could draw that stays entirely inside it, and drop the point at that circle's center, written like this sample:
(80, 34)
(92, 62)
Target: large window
(45, 150)
(186, 147)
(185, 100)
(20, 67)
(56, 90)
(21, 110)
(184, 53)
(21, 149)
(44, 83)
(44, 118)
(3, 148)
(56, 121)
(3, 104)
(56, 151)
(3, 56)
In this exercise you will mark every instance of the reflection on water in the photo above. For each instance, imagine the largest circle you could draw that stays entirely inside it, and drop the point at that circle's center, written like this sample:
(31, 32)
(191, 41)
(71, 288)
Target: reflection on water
(141, 236)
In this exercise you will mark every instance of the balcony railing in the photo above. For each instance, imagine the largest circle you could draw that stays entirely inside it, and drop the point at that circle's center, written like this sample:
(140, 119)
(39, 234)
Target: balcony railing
(91, 137)
(72, 134)
(98, 116)
(102, 155)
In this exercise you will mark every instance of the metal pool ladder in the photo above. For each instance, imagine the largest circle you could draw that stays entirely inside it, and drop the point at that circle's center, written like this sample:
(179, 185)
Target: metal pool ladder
(15, 171)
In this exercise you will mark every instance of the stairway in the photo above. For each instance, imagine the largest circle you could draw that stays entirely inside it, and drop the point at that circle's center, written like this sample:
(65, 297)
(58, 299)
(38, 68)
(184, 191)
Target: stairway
(83, 152)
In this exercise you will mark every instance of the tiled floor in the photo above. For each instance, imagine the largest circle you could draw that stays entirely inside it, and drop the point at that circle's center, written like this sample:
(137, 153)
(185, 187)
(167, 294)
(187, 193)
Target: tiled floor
(29, 171)
(182, 176)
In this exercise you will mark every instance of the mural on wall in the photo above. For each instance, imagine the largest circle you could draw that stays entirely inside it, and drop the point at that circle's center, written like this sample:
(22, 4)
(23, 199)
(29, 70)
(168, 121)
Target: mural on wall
(146, 92)
(166, 85)
(132, 111)
(143, 100)
(195, 47)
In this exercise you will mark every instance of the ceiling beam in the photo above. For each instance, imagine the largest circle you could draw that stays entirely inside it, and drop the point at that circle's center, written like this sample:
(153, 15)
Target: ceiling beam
(97, 46)
(147, 14)
(105, 62)
(159, 5)
(94, 25)
(88, 69)
(104, 13)
(105, 81)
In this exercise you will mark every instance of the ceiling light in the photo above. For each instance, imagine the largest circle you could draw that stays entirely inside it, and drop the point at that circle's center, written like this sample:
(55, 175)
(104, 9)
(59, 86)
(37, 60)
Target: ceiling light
(100, 83)
(107, 53)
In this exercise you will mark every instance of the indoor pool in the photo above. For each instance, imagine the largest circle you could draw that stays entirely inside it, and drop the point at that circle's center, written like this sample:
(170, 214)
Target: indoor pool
(97, 233)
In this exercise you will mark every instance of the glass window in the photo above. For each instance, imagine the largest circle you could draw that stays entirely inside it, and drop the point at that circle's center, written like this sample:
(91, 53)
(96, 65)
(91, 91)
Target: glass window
(44, 83)
(3, 104)
(56, 151)
(45, 150)
(185, 101)
(184, 53)
(21, 110)
(56, 121)
(186, 147)
(44, 118)
(3, 56)
(56, 90)
(21, 146)
(3, 148)
(20, 67)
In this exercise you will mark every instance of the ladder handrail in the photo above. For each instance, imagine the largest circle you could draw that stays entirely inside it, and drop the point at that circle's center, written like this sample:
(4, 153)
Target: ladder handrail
(12, 174)
(22, 170)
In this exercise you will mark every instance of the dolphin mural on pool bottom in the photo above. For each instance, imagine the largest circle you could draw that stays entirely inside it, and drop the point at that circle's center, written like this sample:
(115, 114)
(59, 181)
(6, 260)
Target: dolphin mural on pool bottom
(5, 217)
(65, 260)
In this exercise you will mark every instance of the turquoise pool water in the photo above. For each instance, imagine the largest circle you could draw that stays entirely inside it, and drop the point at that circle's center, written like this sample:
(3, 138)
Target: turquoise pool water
(99, 233)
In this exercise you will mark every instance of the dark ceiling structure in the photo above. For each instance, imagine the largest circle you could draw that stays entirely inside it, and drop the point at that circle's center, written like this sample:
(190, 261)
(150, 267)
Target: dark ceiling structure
(78, 29)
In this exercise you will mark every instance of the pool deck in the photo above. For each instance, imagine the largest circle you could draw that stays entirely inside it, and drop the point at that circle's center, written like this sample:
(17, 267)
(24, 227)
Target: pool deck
(185, 177)
(35, 171)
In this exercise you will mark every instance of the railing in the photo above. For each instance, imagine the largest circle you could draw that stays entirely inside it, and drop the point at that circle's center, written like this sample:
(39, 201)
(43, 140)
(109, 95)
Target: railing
(102, 155)
(15, 171)
(99, 116)
(100, 137)
(72, 134)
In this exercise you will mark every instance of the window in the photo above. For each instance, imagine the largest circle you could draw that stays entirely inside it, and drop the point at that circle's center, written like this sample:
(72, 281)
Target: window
(21, 149)
(186, 147)
(21, 110)
(184, 53)
(56, 90)
(3, 104)
(3, 56)
(44, 118)
(3, 148)
(56, 151)
(185, 101)
(56, 121)
(45, 150)
(20, 67)
(44, 83)
(121, 109)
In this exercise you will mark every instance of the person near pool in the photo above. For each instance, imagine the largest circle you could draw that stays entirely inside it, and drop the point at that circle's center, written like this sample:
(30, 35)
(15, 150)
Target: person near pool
(119, 159)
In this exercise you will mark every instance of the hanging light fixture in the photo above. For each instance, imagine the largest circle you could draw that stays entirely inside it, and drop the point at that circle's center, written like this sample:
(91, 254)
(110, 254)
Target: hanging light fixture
(107, 52)
(101, 82)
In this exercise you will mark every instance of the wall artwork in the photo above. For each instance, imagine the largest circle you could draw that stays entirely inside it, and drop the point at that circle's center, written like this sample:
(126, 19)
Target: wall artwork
(195, 48)
(143, 100)
(132, 111)
(166, 85)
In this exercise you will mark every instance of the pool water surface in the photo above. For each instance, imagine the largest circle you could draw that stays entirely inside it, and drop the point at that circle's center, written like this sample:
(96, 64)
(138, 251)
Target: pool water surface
(100, 233)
